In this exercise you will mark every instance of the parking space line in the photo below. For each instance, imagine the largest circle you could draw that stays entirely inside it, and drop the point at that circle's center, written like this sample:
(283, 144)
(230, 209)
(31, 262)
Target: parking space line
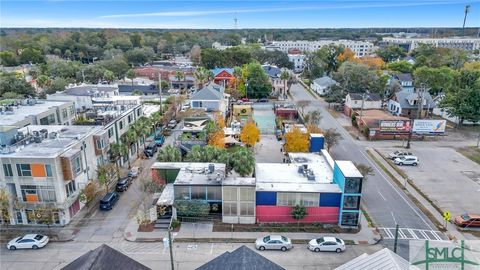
(401, 234)
(412, 233)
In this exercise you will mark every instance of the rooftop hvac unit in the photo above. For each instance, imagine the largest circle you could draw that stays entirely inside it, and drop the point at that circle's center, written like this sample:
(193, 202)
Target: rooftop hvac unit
(52, 135)
(37, 139)
(211, 168)
(310, 176)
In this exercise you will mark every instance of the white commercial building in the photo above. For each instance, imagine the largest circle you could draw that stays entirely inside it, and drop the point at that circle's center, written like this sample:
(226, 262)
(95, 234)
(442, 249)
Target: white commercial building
(46, 170)
(410, 44)
(360, 48)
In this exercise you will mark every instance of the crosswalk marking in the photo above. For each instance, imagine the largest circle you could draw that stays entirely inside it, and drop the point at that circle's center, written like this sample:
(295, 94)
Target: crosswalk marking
(412, 234)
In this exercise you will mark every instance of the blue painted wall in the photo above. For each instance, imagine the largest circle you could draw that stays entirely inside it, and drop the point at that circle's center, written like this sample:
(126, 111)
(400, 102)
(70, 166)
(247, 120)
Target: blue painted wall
(316, 144)
(266, 198)
(330, 199)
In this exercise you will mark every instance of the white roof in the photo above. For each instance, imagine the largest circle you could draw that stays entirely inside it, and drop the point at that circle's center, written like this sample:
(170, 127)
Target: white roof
(384, 259)
(348, 168)
(24, 111)
(286, 178)
(316, 135)
(167, 196)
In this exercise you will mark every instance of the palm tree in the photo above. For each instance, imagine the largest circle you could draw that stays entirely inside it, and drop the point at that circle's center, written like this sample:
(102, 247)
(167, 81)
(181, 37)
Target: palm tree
(169, 153)
(201, 75)
(242, 161)
(284, 76)
(156, 118)
(116, 151)
(180, 76)
(130, 74)
(130, 137)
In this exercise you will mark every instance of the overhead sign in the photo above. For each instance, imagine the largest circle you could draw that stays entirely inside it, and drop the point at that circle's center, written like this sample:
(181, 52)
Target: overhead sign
(429, 126)
(402, 126)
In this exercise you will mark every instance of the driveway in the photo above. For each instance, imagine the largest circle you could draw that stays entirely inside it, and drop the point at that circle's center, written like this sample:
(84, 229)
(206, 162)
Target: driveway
(449, 179)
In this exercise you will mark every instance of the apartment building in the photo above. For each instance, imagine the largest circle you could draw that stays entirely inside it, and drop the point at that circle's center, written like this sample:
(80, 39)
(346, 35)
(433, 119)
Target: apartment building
(409, 44)
(360, 48)
(21, 113)
(46, 169)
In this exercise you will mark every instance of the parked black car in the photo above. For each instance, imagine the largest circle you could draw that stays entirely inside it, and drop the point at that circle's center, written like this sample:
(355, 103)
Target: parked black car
(123, 184)
(109, 200)
(150, 149)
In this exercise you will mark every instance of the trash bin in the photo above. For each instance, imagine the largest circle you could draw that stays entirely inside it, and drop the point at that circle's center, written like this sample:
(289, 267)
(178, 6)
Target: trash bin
(165, 242)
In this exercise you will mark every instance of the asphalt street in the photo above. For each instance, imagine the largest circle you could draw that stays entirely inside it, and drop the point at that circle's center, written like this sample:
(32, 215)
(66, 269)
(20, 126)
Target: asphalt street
(386, 204)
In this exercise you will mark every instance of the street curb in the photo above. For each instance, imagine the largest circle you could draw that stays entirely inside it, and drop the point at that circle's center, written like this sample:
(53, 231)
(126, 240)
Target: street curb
(235, 240)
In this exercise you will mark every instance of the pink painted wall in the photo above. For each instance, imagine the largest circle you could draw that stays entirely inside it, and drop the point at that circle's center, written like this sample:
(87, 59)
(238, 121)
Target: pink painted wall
(268, 213)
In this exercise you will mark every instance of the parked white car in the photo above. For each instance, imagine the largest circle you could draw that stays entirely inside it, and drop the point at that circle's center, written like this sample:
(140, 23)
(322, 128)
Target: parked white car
(274, 242)
(326, 244)
(407, 160)
(28, 241)
(399, 154)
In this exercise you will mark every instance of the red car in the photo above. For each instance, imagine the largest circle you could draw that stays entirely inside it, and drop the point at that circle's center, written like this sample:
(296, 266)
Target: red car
(245, 99)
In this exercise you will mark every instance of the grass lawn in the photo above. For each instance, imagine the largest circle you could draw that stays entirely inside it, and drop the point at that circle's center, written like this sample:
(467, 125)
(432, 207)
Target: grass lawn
(471, 152)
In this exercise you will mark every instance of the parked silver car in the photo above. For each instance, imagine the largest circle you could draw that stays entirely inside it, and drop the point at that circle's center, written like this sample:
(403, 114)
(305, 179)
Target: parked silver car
(398, 154)
(407, 160)
(28, 241)
(326, 244)
(274, 242)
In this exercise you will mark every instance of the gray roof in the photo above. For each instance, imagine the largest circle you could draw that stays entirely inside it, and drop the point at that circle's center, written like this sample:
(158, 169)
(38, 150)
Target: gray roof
(325, 81)
(210, 92)
(89, 90)
(404, 95)
(404, 77)
(272, 71)
(383, 259)
(242, 258)
(368, 97)
(146, 89)
(105, 258)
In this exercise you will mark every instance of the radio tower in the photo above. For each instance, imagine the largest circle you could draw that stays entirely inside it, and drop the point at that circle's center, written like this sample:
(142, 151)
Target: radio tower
(235, 21)
(467, 10)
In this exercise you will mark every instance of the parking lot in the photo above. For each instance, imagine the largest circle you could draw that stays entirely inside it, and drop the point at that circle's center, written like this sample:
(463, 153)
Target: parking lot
(449, 179)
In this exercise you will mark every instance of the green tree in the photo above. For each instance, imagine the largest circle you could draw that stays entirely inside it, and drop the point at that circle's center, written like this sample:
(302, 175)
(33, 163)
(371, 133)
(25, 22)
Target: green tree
(207, 154)
(57, 84)
(180, 76)
(242, 161)
(106, 174)
(400, 66)
(43, 81)
(108, 76)
(299, 212)
(137, 40)
(137, 92)
(131, 75)
(117, 65)
(169, 153)
(437, 79)
(8, 59)
(285, 76)
(139, 56)
(391, 53)
(211, 58)
(259, 85)
(10, 82)
(116, 152)
(92, 73)
(31, 55)
(192, 208)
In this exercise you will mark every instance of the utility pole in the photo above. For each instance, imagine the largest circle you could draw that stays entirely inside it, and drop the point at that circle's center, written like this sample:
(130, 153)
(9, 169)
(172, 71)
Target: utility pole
(170, 247)
(467, 10)
(396, 239)
(160, 90)
(420, 93)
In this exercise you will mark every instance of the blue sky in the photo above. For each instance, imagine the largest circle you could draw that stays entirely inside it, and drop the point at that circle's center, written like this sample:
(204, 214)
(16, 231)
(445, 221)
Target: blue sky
(250, 14)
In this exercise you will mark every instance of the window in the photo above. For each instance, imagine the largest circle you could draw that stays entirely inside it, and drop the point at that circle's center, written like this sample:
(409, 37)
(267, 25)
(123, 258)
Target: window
(230, 208)
(351, 202)
(138, 112)
(121, 124)
(100, 144)
(70, 188)
(229, 193)
(24, 170)
(110, 132)
(214, 193)
(353, 185)
(349, 219)
(19, 218)
(7, 169)
(77, 164)
(48, 170)
(198, 193)
(38, 193)
(247, 209)
(48, 120)
(247, 194)
(64, 113)
(129, 118)
(182, 192)
(292, 199)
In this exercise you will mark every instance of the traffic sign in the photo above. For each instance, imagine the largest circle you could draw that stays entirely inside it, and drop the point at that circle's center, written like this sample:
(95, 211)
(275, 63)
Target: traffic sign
(447, 216)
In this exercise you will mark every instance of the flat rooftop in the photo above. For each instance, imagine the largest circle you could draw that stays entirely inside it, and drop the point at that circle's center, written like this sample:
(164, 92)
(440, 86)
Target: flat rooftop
(193, 173)
(239, 181)
(348, 168)
(286, 176)
(372, 117)
(21, 112)
(67, 136)
(88, 89)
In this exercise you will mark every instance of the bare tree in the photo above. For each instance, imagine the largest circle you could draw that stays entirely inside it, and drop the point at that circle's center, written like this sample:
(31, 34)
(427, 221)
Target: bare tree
(301, 104)
(313, 118)
(365, 170)
(331, 138)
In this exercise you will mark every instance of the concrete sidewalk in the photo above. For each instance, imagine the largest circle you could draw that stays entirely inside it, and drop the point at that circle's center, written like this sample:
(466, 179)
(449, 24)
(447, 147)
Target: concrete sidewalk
(202, 232)
(451, 229)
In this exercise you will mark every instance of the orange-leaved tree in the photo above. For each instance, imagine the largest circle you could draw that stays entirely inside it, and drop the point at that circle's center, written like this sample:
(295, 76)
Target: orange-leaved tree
(372, 62)
(217, 139)
(219, 120)
(250, 134)
(347, 55)
(296, 141)
(314, 129)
